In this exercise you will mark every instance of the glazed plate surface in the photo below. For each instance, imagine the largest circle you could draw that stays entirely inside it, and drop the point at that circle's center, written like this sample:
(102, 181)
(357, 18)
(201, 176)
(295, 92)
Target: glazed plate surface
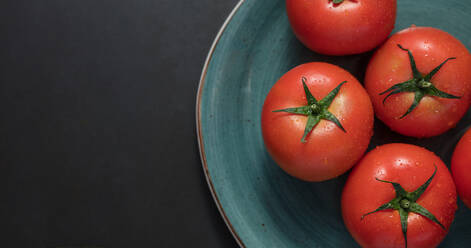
(262, 205)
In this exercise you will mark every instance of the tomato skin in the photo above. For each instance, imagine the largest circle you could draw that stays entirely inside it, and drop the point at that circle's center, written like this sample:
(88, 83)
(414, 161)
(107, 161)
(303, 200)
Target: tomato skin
(461, 168)
(409, 166)
(390, 65)
(328, 151)
(350, 27)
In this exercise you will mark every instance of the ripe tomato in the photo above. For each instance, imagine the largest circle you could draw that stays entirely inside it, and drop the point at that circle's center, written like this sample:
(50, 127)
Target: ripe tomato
(330, 135)
(346, 27)
(461, 168)
(411, 167)
(426, 102)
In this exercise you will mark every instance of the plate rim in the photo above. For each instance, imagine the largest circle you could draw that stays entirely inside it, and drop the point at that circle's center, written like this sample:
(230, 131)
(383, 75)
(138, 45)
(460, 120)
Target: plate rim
(199, 132)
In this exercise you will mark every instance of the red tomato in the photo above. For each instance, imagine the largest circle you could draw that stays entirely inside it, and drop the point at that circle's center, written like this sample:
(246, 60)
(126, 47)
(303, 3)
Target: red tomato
(349, 27)
(328, 151)
(410, 166)
(391, 65)
(461, 168)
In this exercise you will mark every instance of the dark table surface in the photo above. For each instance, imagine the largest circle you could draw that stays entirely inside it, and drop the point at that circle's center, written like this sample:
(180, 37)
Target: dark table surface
(97, 135)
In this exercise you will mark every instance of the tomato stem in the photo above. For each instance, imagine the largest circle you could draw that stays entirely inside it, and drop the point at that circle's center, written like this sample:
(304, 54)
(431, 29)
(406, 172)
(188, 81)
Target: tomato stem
(419, 84)
(405, 202)
(424, 84)
(315, 110)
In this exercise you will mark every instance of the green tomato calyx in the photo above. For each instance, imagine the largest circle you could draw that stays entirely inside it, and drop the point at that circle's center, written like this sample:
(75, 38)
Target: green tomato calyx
(337, 1)
(315, 110)
(419, 84)
(405, 202)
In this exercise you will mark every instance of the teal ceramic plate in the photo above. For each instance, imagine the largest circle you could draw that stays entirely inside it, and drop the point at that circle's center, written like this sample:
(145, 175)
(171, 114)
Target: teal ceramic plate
(263, 206)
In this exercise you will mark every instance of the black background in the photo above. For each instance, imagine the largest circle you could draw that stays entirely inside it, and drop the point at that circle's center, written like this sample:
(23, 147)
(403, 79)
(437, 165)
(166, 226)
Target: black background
(97, 130)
